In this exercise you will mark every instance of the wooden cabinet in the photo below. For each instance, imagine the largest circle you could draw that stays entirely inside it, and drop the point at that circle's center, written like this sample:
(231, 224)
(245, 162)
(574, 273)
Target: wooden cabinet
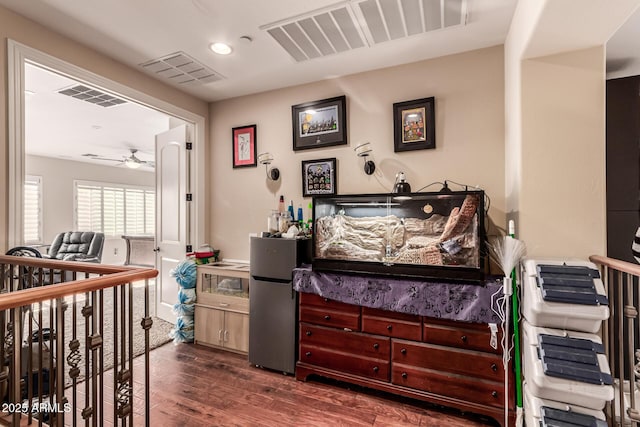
(222, 307)
(440, 361)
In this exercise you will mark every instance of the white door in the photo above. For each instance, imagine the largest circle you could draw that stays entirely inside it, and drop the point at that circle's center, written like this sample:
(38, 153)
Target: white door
(172, 215)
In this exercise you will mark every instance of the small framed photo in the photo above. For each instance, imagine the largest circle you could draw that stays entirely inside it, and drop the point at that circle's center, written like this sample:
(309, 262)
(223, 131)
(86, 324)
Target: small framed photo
(244, 146)
(414, 125)
(319, 123)
(319, 177)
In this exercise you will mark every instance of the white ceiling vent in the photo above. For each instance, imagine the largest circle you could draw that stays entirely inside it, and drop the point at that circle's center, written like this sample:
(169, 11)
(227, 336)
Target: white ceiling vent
(358, 23)
(180, 68)
(94, 96)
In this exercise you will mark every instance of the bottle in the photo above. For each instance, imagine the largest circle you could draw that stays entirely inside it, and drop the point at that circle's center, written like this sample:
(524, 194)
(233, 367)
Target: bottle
(291, 210)
(300, 220)
(281, 205)
(284, 223)
(274, 218)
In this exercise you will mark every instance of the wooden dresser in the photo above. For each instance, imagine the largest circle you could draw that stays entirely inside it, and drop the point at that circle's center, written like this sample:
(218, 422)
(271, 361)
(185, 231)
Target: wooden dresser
(441, 361)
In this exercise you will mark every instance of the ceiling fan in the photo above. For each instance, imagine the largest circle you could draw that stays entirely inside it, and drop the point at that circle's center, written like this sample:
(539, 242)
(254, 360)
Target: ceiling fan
(131, 161)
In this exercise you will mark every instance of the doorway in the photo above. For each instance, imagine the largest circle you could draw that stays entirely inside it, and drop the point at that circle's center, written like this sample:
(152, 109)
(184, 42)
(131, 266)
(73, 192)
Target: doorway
(97, 151)
(18, 56)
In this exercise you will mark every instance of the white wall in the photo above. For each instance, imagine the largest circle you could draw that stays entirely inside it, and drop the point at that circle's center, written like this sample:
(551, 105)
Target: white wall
(57, 188)
(469, 96)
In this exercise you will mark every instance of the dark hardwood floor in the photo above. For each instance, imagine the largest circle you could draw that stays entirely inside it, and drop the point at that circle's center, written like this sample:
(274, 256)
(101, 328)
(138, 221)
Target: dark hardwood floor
(193, 385)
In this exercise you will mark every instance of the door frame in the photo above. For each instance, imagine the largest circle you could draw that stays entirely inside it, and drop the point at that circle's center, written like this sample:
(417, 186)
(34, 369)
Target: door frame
(17, 55)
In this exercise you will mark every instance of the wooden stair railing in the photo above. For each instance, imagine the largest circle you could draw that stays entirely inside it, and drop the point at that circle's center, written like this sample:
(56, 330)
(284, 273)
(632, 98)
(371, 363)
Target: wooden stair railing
(620, 335)
(54, 374)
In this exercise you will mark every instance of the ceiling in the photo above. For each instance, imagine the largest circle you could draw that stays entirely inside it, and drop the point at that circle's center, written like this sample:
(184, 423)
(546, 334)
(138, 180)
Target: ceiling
(65, 127)
(141, 32)
(136, 32)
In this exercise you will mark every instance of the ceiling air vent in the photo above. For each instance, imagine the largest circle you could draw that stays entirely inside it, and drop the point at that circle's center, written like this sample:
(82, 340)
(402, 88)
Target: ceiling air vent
(359, 23)
(94, 96)
(180, 68)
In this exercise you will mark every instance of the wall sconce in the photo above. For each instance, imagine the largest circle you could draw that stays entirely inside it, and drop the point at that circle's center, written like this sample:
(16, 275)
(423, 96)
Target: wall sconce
(401, 188)
(363, 150)
(266, 159)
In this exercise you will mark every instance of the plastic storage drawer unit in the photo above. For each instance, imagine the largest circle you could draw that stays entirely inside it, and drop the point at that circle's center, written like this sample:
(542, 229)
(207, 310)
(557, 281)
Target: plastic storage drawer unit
(566, 366)
(564, 295)
(542, 412)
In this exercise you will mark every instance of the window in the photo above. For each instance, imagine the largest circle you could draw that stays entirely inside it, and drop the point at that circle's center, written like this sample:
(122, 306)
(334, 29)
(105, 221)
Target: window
(32, 209)
(114, 209)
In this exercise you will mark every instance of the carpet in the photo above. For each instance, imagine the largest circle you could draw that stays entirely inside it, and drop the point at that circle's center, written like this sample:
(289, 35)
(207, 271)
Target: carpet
(158, 334)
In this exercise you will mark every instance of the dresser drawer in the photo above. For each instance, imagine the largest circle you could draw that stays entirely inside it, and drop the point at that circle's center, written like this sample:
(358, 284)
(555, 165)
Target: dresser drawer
(350, 363)
(327, 317)
(462, 335)
(456, 386)
(343, 341)
(464, 362)
(396, 325)
(307, 299)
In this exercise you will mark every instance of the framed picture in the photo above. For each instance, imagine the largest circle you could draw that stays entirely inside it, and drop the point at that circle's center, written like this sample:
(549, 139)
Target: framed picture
(318, 177)
(244, 146)
(414, 125)
(319, 123)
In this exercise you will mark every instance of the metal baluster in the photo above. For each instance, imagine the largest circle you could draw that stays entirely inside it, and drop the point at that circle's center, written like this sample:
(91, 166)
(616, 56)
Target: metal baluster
(115, 355)
(146, 324)
(100, 378)
(16, 393)
(130, 382)
(620, 320)
(73, 359)
(630, 313)
(86, 312)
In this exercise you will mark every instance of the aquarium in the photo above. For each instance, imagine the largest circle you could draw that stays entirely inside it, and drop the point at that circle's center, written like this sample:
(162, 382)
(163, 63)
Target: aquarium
(437, 235)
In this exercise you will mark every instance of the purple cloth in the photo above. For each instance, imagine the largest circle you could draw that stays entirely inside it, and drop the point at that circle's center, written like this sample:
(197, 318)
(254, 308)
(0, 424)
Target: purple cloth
(455, 301)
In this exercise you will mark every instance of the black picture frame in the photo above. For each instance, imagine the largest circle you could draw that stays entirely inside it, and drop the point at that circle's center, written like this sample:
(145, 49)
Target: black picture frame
(243, 151)
(414, 125)
(320, 123)
(319, 177)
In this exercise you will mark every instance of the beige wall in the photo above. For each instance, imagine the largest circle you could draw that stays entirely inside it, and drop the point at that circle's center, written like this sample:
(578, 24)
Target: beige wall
(562, 199)
(15, 27)
(469, 93)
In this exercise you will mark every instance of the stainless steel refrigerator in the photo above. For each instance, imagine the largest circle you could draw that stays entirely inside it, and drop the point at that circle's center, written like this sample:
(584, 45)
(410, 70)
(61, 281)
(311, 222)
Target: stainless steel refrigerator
(273, 303)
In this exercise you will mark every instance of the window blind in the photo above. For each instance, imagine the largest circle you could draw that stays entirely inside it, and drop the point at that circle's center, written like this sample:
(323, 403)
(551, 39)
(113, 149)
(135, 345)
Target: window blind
(115, 210)
(32, 209)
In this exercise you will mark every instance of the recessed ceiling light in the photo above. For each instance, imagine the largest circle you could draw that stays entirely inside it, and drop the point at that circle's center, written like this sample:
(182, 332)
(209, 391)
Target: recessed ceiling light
(220, 48)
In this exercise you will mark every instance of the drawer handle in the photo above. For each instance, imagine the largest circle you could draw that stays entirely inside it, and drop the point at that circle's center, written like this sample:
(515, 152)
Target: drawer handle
(404, 375)
(494, 367)
(389, 327)
(326, 299)
(376, 369)
(403, 350)
(308, 354)
(327, 317)
(464, 338)
(376, 346)
(308, 333)
(494, 393)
